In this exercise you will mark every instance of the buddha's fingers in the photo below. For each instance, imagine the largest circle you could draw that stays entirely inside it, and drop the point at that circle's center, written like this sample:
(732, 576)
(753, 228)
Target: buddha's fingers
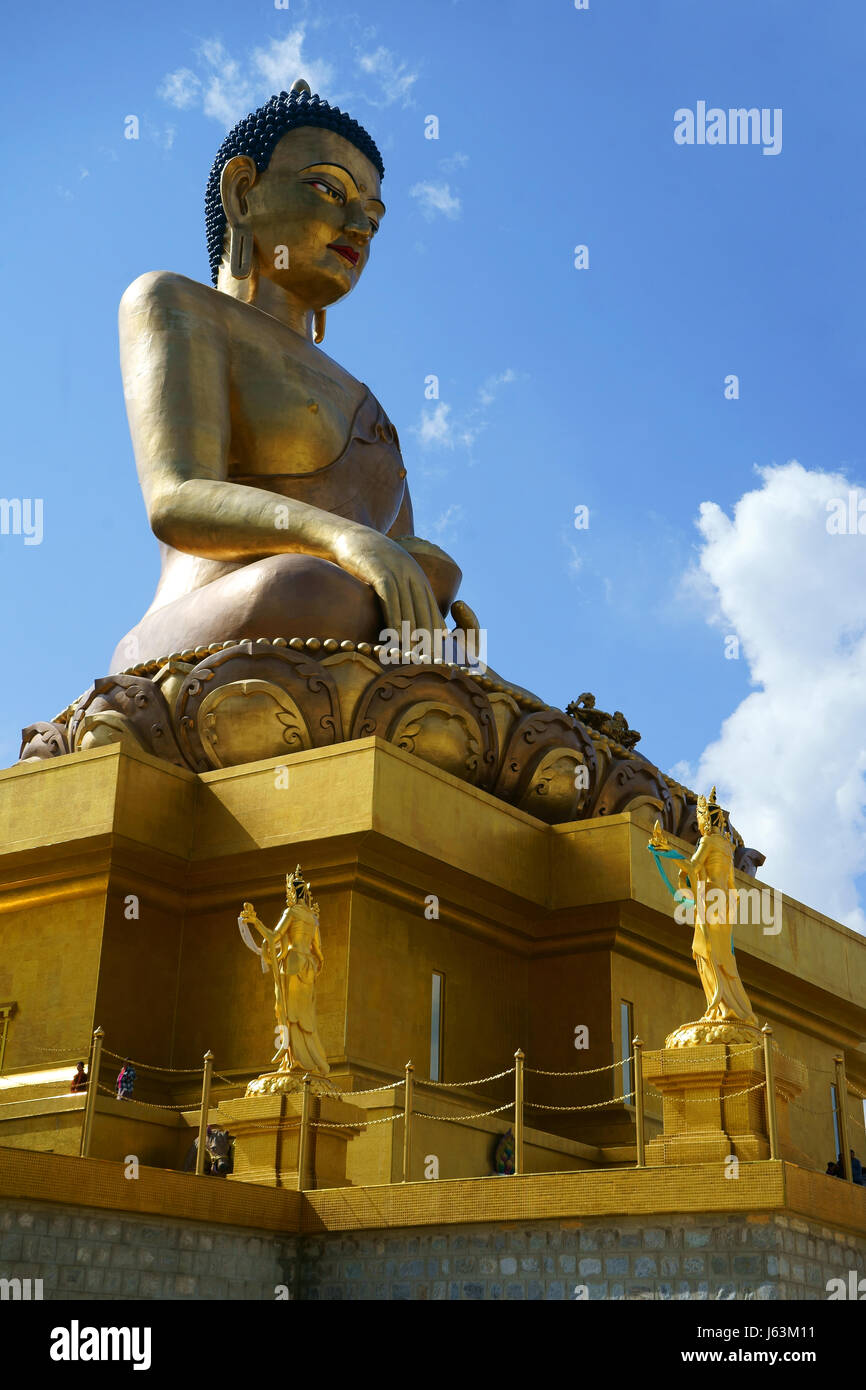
(409, 608)
(422, 607)
(431, 619)
(389, 596)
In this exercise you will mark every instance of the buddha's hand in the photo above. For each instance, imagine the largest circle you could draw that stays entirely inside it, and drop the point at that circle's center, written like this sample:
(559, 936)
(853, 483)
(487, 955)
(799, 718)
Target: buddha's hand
(396, 578)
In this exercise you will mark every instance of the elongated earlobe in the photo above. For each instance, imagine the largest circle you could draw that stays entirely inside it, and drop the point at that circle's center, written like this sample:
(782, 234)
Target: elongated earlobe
(241, 247)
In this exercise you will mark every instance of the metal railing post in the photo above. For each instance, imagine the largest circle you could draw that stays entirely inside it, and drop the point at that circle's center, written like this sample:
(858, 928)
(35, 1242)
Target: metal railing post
(202, 1121)
(408, 1088)
(519, 1060)
(842, 1104)
(304, 1134)
(92, 1091)
(770, 1091)
(640, 1136)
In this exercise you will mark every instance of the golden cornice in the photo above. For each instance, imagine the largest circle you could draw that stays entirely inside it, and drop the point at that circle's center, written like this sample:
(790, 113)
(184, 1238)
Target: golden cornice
(100, 1183)
(768, 1187)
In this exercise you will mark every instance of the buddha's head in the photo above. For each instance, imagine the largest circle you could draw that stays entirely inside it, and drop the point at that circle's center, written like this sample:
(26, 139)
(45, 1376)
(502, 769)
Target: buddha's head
(294, 196)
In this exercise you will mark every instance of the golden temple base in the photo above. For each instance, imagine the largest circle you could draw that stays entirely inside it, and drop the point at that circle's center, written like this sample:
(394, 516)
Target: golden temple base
(267, 1131)
(714, 1103)
(130, 871)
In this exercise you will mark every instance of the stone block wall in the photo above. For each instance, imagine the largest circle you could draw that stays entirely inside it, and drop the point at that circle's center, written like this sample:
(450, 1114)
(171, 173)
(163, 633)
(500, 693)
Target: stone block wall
(87, 1253)
(682, 1257)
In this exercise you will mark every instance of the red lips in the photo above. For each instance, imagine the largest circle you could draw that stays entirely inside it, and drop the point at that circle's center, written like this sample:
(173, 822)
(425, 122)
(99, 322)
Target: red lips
(347, 252)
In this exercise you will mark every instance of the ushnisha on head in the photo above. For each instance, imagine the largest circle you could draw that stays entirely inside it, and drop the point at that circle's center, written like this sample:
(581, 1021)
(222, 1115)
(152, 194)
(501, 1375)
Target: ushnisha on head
(710, 816)
(294, 198)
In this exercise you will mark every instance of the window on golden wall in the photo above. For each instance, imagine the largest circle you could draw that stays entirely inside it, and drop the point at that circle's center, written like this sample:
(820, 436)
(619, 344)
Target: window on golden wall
(837, 1136)
(437, 1025)
(6, 1012)
(626, 1033)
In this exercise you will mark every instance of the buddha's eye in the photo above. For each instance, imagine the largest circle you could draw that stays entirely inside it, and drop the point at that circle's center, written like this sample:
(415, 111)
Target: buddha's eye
(335, 193)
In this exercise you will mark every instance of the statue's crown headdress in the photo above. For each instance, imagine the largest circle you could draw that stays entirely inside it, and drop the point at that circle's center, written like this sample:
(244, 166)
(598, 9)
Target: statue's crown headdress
(712, 812)
(298, 890)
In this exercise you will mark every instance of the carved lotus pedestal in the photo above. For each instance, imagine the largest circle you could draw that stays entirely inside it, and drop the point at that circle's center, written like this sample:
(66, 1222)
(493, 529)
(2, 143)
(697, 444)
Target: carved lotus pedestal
(243, 701)
(267, 1132)
(715, 1102)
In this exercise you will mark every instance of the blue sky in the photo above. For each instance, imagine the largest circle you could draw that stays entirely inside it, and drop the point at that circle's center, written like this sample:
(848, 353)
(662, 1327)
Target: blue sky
(559, 387)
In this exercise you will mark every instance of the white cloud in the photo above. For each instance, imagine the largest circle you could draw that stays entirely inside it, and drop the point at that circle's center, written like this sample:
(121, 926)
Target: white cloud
(180, 88)
(284, 60)
(439, 429)
(228, 87)
(790, 760)
(446, 526)
(395, 81)
(436, 197)
(487, 392)
(435, 427)
(576, 560)
(454, 161)
(683, 772)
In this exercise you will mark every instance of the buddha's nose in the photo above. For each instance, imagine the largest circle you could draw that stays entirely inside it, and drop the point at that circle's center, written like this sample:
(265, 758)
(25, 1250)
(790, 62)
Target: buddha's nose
(358, 225)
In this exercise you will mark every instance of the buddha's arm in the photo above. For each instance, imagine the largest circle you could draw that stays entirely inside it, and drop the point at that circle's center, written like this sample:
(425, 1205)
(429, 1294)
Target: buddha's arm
(175, 364)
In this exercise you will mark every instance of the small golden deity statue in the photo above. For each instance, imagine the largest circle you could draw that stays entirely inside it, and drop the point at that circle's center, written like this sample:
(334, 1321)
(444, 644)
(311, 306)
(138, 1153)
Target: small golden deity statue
(706, 885)
(293, 952)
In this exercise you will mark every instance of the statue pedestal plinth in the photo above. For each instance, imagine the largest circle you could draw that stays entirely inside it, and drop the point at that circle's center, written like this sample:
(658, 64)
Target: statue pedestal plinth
(267, 1131)
(715, 1102)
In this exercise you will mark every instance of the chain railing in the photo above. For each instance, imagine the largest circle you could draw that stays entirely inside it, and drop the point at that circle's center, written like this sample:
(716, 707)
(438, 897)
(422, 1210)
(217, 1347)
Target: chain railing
(517, 1104)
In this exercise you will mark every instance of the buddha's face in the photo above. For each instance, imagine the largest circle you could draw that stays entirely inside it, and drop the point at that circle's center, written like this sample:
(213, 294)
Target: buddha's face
(314, 212)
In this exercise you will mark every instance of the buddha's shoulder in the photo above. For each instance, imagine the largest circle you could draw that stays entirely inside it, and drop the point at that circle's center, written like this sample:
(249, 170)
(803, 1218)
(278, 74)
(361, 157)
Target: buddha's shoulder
(158, 291)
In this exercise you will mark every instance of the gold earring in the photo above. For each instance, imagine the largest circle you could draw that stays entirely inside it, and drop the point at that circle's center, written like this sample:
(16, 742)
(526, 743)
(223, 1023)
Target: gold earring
(318, 325)
(241, 247)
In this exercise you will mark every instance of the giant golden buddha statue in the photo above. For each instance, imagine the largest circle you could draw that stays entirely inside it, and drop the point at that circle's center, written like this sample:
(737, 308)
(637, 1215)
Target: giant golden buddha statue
(275, 485)
(273, 479)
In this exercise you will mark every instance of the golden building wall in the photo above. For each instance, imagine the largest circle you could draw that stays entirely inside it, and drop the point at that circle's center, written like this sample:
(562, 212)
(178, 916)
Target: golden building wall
(539, 929)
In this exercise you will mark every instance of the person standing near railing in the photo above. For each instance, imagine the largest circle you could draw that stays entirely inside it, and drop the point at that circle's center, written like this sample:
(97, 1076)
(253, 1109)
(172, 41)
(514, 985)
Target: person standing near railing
(126, 1081)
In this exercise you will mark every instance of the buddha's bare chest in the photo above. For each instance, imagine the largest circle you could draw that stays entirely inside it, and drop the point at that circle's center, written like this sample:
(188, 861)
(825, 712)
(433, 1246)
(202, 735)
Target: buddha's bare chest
(289, 413)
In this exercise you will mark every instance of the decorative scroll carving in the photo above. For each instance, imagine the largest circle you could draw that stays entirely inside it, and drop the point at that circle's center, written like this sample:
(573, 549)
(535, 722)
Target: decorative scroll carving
(549, 767)
(630, 782)
(43, 740)
(437, 713)
(290, 702)
(117, 708)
